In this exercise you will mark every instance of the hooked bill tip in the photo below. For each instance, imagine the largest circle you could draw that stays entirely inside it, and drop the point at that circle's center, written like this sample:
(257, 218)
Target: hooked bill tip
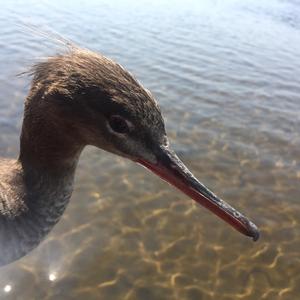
(256, 236)
(254, 232)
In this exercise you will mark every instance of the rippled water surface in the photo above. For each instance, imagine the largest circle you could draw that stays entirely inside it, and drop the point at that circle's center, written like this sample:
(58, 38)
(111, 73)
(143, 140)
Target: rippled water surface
(227, 76)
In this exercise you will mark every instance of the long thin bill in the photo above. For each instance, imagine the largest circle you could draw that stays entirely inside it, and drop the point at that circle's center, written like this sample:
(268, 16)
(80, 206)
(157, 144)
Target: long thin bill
(171, 169)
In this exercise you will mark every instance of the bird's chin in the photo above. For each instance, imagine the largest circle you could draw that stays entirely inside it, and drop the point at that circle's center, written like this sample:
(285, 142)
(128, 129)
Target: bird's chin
(170, 168)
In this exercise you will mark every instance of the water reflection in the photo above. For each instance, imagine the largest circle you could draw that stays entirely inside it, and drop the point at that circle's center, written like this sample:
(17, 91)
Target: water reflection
(52, 277)
(227, 76)
(7, 288)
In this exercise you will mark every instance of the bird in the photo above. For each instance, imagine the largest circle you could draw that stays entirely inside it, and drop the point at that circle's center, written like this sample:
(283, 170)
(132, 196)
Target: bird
(79, 98)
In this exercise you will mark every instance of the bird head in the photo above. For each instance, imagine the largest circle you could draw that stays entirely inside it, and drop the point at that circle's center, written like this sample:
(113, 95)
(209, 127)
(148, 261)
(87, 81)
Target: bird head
(103, 105)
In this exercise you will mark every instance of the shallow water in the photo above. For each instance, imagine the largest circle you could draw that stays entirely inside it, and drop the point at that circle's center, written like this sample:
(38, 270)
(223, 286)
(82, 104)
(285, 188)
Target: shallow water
(227, 76)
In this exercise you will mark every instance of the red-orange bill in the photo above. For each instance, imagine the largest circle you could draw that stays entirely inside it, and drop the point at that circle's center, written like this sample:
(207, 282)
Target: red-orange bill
(170, 168)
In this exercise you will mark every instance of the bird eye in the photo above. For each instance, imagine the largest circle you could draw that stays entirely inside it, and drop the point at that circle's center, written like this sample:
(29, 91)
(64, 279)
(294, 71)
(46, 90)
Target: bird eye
(118, 124)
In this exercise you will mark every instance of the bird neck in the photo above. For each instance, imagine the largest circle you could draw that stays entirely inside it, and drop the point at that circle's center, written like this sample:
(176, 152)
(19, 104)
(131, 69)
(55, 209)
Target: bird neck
(48, 160)
(48, 143)
(48, 155)
(44, 195)
(42, 180)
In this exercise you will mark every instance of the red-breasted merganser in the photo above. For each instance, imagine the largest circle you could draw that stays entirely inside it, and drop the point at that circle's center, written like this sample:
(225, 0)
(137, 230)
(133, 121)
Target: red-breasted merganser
(76, 99)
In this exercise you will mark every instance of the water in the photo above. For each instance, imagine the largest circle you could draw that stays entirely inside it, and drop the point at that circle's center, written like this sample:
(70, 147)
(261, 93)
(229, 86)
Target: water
(227, 76)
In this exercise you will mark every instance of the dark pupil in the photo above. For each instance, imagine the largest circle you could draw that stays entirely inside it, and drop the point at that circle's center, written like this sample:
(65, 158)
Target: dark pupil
(118, 124)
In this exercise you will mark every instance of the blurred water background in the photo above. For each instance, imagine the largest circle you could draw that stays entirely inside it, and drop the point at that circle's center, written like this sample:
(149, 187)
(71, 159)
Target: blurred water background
(227, 77)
